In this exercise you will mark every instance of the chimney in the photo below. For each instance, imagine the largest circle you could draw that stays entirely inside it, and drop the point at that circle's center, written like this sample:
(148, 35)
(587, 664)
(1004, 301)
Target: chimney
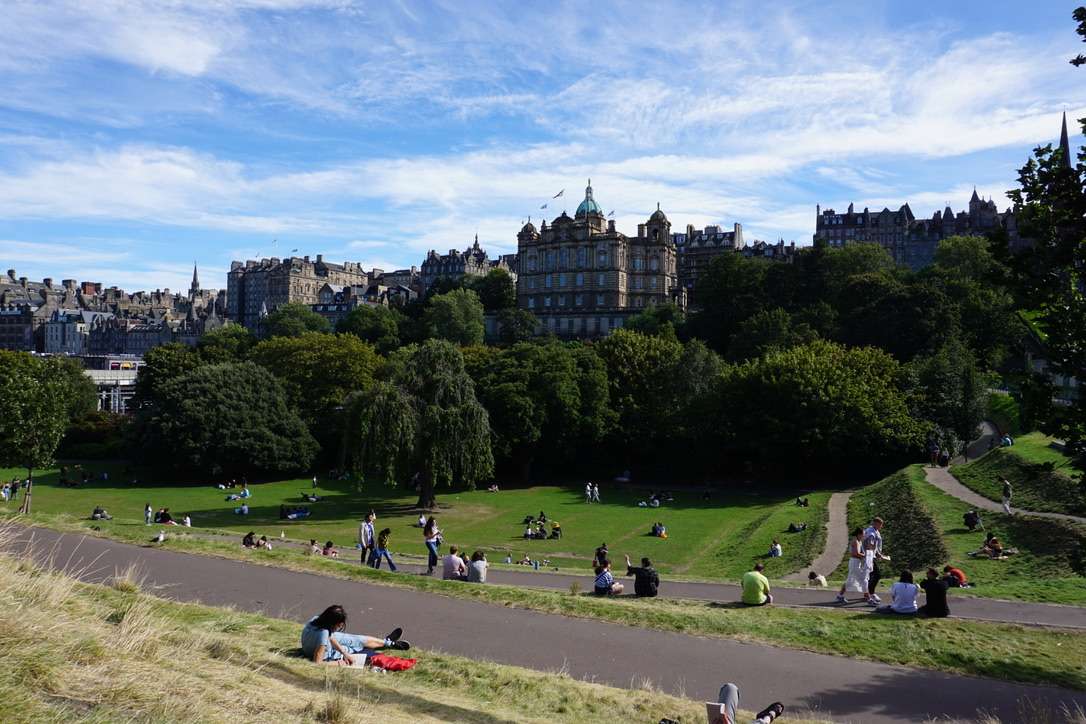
(11, 274)
(320, 258)
(48, 282)
(22, 281)
(611, 225)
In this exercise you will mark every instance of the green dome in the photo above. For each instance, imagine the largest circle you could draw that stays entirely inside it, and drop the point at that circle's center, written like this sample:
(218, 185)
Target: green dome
(589, 205)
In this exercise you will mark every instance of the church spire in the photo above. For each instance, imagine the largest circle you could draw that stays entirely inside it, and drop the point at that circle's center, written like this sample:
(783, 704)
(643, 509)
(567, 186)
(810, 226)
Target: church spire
(195, 287)
(1065, 145)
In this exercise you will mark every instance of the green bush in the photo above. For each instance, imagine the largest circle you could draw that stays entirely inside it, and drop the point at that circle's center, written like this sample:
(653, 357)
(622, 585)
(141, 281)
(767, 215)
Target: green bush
(911, 537)
(1003, 411)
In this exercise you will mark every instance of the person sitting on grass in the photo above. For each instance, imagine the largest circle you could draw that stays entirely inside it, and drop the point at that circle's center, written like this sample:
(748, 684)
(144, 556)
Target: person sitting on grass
(165, 518)
(493, 488)
(902, 596)
(324, 640)
(242, 510)
(249, 541)
(314, 549)
(556, 530)
(528, 520)
(646, 580)
(755, 585)
(935, 589)
(797, 527)
(453, 567)
(525, 561)
(605, 584)
(542, 517)
(263, 543)
(540, 530)
(529, 533)
(310, 497)
(955, 577)
(329, 550)
(971, 518)
(186, 521)
(816, 579)
(100, 514)
(775, 550)
(477, 569)
(421, 522)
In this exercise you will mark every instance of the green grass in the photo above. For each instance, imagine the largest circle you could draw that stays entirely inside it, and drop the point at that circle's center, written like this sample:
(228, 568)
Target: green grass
(1043, 478)
(706, 540)
(1004, 651)
(1004, 412)
(94, 653)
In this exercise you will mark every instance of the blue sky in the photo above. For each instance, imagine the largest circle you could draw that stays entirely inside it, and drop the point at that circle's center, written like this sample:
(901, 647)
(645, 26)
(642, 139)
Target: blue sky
(136, 137)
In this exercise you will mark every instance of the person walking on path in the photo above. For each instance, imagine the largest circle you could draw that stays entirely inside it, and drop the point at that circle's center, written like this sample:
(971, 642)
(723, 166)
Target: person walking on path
(873, 550)
(368, 540)
(314, 481)
(588, 492)
(382, 550)
(858, 569)
(431, 536)
(595, 493)
(1007, 491)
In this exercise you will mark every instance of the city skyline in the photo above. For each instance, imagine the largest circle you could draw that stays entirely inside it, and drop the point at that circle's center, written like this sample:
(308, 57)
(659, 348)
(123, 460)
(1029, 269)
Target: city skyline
(138, 141)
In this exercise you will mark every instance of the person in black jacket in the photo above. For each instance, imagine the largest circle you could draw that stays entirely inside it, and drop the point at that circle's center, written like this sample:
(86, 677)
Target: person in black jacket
(646, 582)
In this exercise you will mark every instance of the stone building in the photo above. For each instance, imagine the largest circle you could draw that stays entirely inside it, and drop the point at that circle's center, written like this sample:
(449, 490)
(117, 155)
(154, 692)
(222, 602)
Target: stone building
(68, 331)
(270, 283)
(697, 248)
(582, 277)
(472, 262)
(910, 241)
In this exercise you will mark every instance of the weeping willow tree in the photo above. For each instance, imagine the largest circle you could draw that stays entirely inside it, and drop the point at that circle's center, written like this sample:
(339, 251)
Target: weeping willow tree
(424, 419)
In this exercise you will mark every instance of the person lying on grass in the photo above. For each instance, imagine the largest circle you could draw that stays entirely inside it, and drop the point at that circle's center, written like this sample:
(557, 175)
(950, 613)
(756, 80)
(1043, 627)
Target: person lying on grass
(325, 642)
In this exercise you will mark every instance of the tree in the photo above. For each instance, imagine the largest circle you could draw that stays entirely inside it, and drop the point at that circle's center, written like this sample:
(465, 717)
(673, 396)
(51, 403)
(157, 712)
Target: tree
(639, 370)
(950, 392)
(424, 417)
(456, 316)
(819, 402)
(379, 325)
(294, 319)
(162, 364)
(318, 371)
(79, 392)
(496, 290)
(769, 330)
(516, 325)
(226, 419)
(657, 320)
(228, 343)
(732, 289)
(34, 411)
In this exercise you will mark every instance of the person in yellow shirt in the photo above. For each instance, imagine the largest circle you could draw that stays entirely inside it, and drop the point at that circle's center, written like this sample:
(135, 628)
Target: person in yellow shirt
(756, 587)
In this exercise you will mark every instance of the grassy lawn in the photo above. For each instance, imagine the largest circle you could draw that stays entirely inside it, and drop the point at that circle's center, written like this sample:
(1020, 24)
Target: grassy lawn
(1049, 568)
(1043, 477)
(78, 652)
(712, 539)
(1004, 651)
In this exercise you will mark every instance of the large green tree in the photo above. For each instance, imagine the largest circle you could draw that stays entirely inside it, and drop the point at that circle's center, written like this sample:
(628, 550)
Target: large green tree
(35, 407)
(293, 320)
(377, 324)
(496, 290)
(162, 364)
(456, 316)
(225, 419)
(424, 417)
(228, 343)
(950, 392)
(318, 371)
(639, 372)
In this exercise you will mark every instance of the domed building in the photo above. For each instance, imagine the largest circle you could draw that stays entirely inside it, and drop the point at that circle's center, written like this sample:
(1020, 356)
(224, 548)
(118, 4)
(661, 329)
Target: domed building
(582, 277)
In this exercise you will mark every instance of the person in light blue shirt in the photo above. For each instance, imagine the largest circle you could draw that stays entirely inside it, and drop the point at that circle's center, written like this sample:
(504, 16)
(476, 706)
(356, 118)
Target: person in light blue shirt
(325, 642)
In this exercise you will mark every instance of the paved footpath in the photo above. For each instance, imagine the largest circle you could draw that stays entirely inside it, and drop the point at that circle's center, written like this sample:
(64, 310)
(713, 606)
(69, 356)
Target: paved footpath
(945, 481)
(843, 689)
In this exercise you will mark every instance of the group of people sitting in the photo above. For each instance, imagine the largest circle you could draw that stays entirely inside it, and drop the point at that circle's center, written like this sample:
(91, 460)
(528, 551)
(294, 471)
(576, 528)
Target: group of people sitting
(315, 549)
(903, 596)
(163, 517)
(646, 580)
(456, 566)
(310, 497)
(100, 513)
(803, 502)
(655, 499)
(993, 549)
(251, 541)
(659, 530)
(536, 528)
(797, 527)
(241, 495)
(294, 512)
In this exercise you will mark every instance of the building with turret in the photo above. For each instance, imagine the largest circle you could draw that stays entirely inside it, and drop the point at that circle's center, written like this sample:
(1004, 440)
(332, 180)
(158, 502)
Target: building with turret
(582, 277)
(472, 262)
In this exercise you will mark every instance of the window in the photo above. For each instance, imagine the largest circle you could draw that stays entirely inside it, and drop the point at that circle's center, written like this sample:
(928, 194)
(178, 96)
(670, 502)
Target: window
(563, 258)
(637, 282)
(637, 263)
(550, 261)
(561, 280)
(546, 301)
(652, 282)
(654, 264)
(531, 282)
(599, 280)
(582, 257)
(580, 279)
(547, 280)
(578, 300)
(531, 302)
(599, 300)
(601, 256)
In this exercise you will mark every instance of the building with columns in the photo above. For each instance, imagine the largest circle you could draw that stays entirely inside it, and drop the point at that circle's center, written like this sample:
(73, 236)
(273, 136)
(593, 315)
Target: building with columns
(582, 277)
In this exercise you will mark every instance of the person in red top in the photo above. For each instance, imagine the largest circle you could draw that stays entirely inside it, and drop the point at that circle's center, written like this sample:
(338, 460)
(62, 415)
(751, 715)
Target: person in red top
(955, 577)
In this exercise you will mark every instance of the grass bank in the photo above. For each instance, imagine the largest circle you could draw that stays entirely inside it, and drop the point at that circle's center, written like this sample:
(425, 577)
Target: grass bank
(78, 652)
(1049, 568)
(1043, 478)
(706, 539)
(1003, 651)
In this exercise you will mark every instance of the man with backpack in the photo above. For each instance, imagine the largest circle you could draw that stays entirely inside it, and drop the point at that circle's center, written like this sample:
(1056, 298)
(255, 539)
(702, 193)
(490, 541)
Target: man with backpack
(646, 580)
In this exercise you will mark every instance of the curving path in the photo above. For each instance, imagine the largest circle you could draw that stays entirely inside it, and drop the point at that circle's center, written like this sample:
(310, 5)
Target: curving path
(945, 481)
(843, 689)
(836, 539)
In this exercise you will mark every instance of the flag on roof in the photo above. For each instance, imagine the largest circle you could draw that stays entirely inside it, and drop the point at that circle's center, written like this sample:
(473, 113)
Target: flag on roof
(543, 206)
(559, 194)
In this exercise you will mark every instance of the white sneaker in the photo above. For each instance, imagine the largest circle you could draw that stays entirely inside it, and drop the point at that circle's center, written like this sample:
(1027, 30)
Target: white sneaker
(875, 598)
(872, 602)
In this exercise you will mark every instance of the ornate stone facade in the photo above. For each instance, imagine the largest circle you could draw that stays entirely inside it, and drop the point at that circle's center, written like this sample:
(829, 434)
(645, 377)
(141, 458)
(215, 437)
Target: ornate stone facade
(472, 262)
(266, 284)
(582, 277)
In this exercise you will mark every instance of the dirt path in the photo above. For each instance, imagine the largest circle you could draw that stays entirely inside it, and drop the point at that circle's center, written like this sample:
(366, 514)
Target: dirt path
(836, 539)
(841, 688)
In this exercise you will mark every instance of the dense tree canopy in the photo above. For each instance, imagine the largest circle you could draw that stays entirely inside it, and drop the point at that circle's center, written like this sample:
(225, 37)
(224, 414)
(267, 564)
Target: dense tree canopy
(456, 316)
(225, 419)
(496, 290)
(35, 406)
(225, 344)
(293, 320)
(377, 324)
(161, 365)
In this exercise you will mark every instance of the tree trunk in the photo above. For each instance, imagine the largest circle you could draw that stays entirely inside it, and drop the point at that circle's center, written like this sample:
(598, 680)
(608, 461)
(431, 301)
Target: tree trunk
(427, 500)
(25, 507)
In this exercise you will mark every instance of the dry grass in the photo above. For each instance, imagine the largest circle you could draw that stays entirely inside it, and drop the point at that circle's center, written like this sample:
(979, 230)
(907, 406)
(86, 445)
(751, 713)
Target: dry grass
(77, 652)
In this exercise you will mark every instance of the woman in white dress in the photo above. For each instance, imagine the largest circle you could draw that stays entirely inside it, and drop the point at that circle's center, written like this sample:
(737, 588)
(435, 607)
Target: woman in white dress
(859, 567)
